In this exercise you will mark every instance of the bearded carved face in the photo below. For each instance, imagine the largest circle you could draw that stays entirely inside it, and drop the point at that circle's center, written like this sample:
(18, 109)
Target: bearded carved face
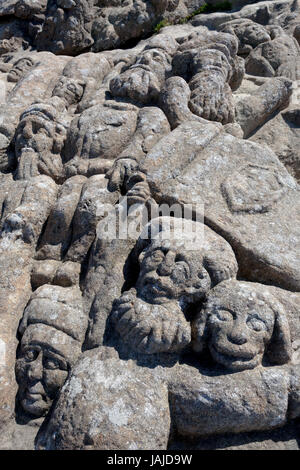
(39, 134)
(170, 273)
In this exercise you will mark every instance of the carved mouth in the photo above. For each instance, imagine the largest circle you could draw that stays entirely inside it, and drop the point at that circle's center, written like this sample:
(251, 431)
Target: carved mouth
(232, 360)
(33, 396)
(154, 286)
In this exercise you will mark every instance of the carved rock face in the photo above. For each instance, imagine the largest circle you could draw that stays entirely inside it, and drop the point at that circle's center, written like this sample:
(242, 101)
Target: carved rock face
(143, 81)
(41, 368)
(239, 333)
(252, 33)
(35, 132)
(139, 341)
(52, 331)
(239, 322)
(19, 69)
(71, 90)
(249, 34)
(169, 273)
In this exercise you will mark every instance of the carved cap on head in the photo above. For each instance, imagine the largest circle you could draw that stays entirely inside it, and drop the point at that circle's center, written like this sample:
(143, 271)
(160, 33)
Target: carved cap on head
(47, 111)
(162, 41)
(57, 307)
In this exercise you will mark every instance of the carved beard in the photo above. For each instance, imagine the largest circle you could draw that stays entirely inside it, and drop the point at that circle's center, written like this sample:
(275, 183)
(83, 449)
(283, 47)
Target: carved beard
(151, 328)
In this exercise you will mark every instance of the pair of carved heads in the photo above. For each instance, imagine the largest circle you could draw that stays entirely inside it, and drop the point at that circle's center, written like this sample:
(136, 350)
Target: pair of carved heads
(240, 323)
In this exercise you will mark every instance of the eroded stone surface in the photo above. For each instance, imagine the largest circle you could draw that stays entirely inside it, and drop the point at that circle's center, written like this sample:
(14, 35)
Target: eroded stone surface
(127, 322)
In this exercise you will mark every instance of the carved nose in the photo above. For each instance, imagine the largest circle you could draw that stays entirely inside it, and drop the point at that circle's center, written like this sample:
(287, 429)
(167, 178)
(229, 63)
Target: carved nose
(165, 268)
(35, 371)
(238, 337)
(146, 59)
(27, 131)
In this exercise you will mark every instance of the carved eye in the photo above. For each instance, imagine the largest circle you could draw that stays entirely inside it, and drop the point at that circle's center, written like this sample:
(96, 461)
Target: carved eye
(31, 355)
(52, 363)
(224, 315)
(157, 256)
(256, 324)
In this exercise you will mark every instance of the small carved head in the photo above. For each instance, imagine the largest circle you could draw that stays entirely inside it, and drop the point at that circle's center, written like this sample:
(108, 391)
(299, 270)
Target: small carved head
(242, 324)
(52, 332)
(40, 130)
(70, 89)
(249, 33)
(175, 268)
(19, 69)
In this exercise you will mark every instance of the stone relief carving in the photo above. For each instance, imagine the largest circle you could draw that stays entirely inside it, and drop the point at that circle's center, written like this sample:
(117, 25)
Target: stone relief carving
(52, 332)
(141, 342)
(254, 189)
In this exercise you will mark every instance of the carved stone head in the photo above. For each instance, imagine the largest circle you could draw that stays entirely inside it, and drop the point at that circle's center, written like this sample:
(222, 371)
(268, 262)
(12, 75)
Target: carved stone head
(39, 129)
(184, 265)
(52, 332)
(241, 323)
(249, 33)
(178, 265)
(143, 81)
(69, 89)
(19, 69)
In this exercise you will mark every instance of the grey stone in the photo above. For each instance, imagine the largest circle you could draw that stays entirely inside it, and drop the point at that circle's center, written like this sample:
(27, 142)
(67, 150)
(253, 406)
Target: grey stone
(223, 175)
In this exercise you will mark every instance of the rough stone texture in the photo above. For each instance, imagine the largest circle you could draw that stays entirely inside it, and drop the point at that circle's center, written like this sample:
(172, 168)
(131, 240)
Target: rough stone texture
(243, 188)
(110, 423)
(149, 228)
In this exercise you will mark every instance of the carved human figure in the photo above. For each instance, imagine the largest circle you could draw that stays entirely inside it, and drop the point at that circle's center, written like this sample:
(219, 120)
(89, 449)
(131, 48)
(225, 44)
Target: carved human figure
(151, 316)
(67, 27)
(110, 131)
(246, 329)
(19, 68)
(80, 79)
(210, 64)
(28, 86)
(39, 140)
(143, 80)
(206, 59)
(278, 57)
(242, 325)
(94, 140)
(249, 33)
(52, 332)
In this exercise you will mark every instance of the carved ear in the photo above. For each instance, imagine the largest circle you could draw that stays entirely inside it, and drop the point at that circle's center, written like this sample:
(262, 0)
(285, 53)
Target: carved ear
(199, 330)
(280, 349)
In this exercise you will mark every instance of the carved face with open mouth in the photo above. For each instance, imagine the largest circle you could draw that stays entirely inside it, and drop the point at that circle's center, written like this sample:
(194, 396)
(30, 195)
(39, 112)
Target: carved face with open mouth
(238, 335)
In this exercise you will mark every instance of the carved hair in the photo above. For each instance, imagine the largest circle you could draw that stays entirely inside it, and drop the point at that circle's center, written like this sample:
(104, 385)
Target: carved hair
(278, 349)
